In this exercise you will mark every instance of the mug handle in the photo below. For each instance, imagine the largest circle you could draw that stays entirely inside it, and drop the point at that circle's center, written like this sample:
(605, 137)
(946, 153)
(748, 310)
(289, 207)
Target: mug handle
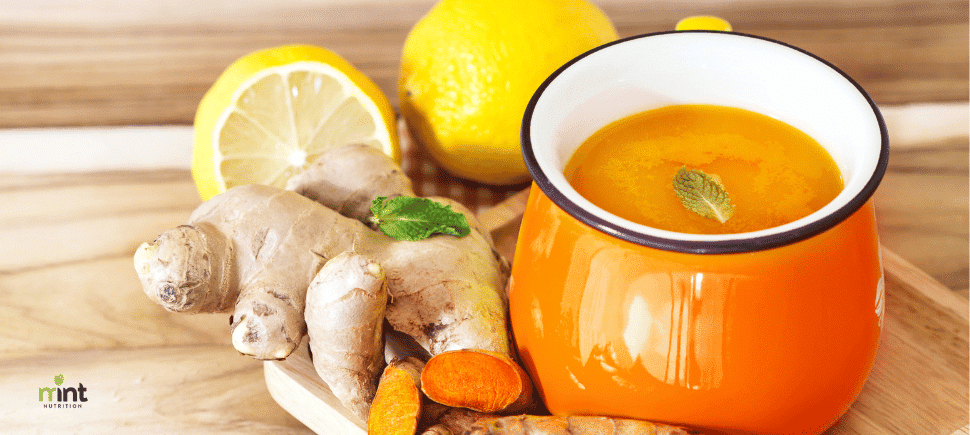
(703, 22)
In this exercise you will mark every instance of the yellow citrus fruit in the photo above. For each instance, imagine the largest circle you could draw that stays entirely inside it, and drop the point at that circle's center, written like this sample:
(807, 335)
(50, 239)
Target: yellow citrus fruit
(273, 111)
(469, 68)
(703, 22)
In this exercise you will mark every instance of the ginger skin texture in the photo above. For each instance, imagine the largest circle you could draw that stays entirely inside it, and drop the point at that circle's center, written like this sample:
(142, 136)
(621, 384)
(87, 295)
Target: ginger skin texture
(326, 181)
(346, 344)
(254, 250)
(260, 243)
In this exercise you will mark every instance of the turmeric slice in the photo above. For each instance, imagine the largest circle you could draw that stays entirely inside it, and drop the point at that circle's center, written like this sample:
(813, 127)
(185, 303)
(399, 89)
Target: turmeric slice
(476, 379)
(396, 409)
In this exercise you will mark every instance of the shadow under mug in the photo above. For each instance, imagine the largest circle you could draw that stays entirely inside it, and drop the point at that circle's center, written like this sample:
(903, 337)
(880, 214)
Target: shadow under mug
(772, 331)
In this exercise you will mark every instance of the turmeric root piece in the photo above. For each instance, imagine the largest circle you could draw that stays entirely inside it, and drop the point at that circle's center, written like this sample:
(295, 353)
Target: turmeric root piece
(344, 315)
(453, 421)
(572, 425)
(397, 406)
(477, 379)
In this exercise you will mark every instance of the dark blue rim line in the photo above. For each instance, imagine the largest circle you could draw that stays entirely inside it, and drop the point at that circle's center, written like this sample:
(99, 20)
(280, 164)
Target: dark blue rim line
(703, 247)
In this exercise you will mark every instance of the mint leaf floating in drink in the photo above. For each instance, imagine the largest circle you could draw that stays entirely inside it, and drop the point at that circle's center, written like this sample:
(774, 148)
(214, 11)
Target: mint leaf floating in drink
(703, 194)
(409, 218)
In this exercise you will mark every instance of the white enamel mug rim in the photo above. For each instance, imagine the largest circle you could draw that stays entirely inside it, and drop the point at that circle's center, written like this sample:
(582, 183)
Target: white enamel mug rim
(555, 114)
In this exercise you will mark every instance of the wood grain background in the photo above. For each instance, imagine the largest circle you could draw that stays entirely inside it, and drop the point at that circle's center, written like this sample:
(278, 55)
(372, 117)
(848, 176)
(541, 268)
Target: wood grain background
(68, 292)
(96, 62)
(106, 63)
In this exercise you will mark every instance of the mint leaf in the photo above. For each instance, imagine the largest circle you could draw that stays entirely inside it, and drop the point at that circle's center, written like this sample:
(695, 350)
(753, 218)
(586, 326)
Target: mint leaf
(409, 218)
(703, 194)
(59, 379)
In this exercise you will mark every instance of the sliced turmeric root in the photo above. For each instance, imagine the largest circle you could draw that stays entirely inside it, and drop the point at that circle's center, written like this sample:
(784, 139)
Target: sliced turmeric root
(396, 408)
(477, 379)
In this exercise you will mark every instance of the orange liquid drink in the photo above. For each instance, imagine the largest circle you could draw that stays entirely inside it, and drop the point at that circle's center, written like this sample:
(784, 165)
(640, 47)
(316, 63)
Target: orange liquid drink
(774, 173)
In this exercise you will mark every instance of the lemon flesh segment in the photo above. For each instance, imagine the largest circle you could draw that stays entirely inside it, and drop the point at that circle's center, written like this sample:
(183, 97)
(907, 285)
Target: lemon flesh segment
(283, 117)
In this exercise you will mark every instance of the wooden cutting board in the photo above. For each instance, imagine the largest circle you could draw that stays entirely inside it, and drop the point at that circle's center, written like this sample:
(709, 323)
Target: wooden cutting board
(918, 384)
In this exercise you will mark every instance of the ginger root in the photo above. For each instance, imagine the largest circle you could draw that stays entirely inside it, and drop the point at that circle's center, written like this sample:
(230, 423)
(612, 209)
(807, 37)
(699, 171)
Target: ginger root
(448, 292)
(477, 379)
(254, 250)
(450, 313)
(344, 305)
(347, 178)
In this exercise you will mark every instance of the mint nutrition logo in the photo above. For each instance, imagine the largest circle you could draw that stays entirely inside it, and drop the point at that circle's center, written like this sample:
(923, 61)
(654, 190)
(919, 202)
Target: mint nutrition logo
(66, 397)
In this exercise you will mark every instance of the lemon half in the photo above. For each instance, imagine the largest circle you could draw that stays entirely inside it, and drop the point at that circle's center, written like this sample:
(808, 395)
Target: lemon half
(273, 111)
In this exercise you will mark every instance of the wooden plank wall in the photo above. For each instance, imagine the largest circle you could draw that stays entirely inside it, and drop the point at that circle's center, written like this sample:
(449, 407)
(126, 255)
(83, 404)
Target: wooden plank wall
(96, 62)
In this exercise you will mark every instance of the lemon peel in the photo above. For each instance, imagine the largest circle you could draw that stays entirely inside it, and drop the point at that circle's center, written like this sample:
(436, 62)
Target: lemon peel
(468, 71)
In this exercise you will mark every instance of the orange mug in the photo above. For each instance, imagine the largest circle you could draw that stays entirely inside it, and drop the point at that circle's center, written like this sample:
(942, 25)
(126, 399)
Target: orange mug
(767, 332)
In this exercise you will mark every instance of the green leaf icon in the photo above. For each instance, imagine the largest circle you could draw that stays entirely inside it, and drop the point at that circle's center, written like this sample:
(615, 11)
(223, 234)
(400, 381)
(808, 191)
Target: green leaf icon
(59, 379)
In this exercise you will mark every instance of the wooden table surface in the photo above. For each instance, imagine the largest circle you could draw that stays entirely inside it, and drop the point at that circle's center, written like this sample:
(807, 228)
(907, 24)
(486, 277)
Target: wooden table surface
(96, 101)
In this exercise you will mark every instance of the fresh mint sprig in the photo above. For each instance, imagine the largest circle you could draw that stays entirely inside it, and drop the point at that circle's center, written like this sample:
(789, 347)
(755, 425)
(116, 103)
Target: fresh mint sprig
(409, 218)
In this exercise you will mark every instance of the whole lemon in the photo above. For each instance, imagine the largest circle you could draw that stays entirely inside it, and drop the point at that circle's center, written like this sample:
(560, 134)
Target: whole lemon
(469, 68)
